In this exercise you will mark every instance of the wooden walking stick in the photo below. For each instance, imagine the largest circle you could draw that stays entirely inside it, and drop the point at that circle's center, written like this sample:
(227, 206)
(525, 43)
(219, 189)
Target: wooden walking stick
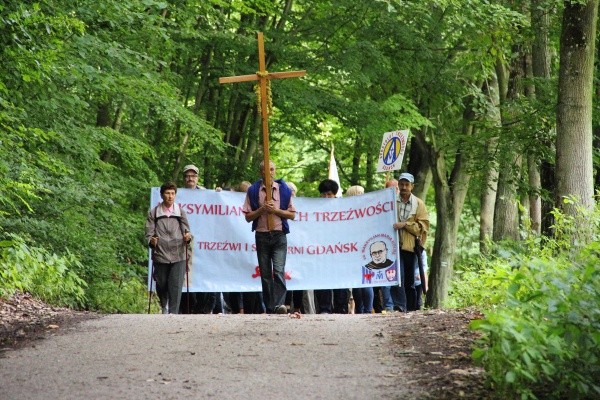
(187, 277)
(151, 279)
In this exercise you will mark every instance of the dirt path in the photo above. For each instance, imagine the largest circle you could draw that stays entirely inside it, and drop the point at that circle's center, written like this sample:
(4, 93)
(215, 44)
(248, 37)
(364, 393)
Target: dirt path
(48, 352)
(203, 356)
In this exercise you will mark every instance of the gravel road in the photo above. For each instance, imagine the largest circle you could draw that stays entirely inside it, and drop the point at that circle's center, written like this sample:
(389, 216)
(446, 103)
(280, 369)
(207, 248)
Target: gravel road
(211, 356)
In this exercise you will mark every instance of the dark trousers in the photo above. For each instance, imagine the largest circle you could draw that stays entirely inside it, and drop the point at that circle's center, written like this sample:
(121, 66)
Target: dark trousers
(206, 302)
(253, 303)
(419, 289)
(332, 301)
(236, 302)
(408, 261)
(271, 249)
(169, 283)
(377, 299)
(294, 298)
(189, 303)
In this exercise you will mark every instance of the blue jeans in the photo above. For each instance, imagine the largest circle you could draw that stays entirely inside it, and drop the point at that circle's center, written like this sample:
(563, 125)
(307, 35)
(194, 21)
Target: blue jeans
(394, 297)
(271, 249)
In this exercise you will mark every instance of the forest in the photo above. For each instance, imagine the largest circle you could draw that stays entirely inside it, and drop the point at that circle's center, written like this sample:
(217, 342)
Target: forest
(102, 100)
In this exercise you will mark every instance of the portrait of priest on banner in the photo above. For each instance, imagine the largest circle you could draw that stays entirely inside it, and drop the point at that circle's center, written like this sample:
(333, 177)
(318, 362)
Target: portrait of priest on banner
(381, 269)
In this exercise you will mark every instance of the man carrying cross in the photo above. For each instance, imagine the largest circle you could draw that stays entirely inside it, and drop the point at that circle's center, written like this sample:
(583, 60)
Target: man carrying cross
(268, 209)
(271, 244)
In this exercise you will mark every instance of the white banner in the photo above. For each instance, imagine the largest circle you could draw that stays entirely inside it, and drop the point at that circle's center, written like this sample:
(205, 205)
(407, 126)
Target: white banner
(392, 149)
(333, 243)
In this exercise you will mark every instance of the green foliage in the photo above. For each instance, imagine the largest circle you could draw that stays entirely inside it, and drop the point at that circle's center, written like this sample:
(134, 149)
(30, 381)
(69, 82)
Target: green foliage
(100, 101)
(118, 295)
(80, 98)
(482, 282)
(545, 341)
(541, 332)
(51, 277)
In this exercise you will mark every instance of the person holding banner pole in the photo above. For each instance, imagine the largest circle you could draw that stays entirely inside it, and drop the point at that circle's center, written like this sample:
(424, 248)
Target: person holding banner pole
(271, 240)
(412, 227)
(167, 233)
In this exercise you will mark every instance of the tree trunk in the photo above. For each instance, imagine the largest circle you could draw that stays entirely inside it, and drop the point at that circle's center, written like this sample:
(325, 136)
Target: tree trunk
(370, 171)
(490, 181)
(444, 248)
(488, 196)
(574, 164)
(118, 122)
(535, 199)
(540, 68)
(506, 212)
(450, 194)
(419, 164)
(548, 179)
(357, 152)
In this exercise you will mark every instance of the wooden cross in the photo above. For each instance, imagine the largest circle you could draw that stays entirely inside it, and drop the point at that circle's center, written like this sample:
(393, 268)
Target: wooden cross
(262, 76)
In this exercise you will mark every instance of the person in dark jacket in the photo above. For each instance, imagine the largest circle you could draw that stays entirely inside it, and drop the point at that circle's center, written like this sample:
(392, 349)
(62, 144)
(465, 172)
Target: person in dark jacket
(167, 234)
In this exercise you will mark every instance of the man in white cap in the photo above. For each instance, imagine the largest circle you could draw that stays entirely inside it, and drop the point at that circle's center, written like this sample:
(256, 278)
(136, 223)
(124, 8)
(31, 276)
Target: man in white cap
(203, 303)
(190, 177)
(413, 222)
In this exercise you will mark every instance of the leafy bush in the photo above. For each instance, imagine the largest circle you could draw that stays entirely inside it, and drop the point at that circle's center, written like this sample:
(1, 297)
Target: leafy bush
(542, 340)
(45, 275)
(481, 283)
(119, 296)
(546, 341)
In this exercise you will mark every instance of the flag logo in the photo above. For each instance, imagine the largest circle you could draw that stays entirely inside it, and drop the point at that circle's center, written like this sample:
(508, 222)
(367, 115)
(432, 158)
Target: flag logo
(392, 150)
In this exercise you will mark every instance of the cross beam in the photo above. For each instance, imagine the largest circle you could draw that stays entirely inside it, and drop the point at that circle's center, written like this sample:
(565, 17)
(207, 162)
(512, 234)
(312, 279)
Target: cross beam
(262, 76)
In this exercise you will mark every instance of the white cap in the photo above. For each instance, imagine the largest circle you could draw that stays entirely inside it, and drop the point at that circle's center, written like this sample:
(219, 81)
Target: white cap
(190, 167)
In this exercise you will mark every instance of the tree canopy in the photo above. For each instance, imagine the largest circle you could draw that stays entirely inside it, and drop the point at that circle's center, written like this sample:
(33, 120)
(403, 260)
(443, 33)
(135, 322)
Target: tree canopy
(99, 101)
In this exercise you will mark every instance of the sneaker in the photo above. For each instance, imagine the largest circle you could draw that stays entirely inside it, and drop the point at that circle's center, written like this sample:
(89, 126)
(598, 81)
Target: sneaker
(281, 309)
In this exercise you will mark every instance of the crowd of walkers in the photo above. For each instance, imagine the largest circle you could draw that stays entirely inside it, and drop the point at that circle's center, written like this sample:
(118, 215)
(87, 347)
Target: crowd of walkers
(169, 237)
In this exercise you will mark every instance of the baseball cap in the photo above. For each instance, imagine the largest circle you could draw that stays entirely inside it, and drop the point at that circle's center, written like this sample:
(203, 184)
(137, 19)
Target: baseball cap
(406, 176)
(190, 167)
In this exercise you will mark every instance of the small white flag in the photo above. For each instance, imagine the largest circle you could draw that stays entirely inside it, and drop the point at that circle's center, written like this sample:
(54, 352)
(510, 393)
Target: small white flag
(392, 149)
(333, 173)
